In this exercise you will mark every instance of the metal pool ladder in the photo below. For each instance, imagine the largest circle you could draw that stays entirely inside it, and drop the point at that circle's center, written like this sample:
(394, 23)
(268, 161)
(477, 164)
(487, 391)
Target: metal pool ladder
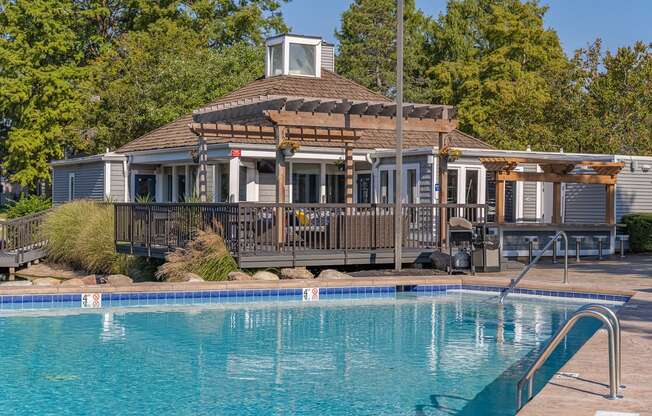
(610, 321)
(527, 268)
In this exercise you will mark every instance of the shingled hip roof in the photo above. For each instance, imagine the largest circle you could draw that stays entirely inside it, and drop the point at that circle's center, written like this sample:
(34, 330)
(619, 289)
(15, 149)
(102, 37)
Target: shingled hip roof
(177, 134)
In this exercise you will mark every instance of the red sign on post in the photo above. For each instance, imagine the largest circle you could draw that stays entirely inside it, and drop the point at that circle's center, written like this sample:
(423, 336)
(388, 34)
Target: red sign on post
(236, 153)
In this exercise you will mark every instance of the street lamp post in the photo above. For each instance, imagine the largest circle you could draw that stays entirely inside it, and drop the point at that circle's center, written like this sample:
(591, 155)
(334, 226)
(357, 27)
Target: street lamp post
(398, 194)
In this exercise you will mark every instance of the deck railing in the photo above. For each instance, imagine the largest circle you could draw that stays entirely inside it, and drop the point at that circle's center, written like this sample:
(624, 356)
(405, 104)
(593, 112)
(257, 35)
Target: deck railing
(251, 229)
(22, 234)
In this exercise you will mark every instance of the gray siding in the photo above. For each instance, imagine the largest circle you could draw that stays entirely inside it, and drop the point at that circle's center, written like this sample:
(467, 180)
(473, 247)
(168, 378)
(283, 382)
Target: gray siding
(529, 196)
(117, 182)
(634, 189)
(89, 181)
(584, 203)
(266, 187)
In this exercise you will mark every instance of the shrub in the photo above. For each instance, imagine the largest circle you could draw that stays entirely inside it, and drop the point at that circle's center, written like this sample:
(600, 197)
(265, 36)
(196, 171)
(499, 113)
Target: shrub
(639, 228)
(207, 256)
(80, 234)
(61, 229)
(27, 205)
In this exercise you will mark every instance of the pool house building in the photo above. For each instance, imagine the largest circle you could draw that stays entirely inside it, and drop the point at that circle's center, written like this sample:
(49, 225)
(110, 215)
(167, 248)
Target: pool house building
(297, 168)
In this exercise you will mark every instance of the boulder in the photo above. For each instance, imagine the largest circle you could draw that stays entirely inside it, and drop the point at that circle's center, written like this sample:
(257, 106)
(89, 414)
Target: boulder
(45, 281)
(192, 277)
(333, 274)
(236, 276)
(296, 273)
(73, 282)
(58, 271)
(263, 275)
(119, 280)
(92, 279)
(16, 283)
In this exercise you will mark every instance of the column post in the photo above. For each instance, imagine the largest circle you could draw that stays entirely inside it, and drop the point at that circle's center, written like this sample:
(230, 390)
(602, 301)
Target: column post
(175, 184)
(500, 199)
(556, 203)
(348, 181)
(234, 179)
(442, 168)
(281, 170)
(202, 176)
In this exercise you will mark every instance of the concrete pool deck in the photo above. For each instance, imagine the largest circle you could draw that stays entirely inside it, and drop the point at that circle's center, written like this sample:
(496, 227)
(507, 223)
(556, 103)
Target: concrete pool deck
(582, 395)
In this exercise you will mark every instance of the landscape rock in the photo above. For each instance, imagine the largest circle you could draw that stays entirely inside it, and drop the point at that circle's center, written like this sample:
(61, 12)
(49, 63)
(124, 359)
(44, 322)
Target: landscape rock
(45, 281)
(73, 282)
(92, 279)
(333, 274)
(16, 283)
(263, 275)
(49, 270)
(119, 280)
(192, 278)
(236, 276)
(296, 273)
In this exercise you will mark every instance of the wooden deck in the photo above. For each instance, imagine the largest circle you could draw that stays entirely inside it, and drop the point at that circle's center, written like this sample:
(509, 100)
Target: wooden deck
(286, 235)
(21, 241)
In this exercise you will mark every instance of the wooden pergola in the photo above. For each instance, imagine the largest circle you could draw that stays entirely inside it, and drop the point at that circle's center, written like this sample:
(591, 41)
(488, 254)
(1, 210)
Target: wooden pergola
(311, 121)
(556, 171)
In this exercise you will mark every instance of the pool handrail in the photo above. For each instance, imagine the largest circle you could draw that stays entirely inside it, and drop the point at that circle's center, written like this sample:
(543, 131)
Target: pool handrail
(585, 312)
(527, 268)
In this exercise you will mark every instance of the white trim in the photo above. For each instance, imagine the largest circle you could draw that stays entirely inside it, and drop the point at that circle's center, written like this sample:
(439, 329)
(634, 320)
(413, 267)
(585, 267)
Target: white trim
(234, 180)
(107, 181)
(390, 183)
(322, 182)
(125, 178)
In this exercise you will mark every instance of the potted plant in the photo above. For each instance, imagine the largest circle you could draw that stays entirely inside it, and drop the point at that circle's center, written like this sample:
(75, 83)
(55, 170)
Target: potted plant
(339, 164)
(449, 154)
(288, 147)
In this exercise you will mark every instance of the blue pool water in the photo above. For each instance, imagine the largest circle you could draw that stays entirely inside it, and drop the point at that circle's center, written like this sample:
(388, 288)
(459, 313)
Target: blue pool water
(448, 354)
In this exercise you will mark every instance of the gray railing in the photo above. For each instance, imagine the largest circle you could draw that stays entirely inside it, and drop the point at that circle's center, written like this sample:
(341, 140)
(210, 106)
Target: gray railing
(609, 320)
(527, 268)
(250, 228)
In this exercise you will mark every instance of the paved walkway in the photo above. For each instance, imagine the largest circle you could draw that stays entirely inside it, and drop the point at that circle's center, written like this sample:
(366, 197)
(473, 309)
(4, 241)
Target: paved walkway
(584, 395)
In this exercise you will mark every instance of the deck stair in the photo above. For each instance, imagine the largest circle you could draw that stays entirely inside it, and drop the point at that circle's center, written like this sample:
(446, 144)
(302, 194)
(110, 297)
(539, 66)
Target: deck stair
(21, 241)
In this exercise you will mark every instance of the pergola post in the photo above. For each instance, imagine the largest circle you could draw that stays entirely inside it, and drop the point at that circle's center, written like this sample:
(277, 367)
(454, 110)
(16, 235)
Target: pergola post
(281, 168)
(348, 169)
(500, 200)
(556, 203)
(442, 168)
(203, 169)
(610, 214)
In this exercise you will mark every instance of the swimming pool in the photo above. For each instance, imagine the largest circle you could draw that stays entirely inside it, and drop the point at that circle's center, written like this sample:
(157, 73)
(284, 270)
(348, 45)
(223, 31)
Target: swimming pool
(392, 354)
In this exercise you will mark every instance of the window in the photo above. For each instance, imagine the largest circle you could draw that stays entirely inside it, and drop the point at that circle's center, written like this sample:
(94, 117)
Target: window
(412, 191)
(71, 186)
(302, 59)
(168, 188)
(145, 187)
(181, 188)
(363, 185)
(452, 186)
(276, 59)
(305, 183)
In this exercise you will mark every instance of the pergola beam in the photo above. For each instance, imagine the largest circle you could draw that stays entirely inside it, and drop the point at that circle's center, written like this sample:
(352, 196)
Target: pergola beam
(555, 178)
(352, 121)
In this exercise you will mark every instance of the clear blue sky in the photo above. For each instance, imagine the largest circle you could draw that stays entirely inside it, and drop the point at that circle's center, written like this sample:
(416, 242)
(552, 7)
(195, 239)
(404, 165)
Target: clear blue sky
(578, 22)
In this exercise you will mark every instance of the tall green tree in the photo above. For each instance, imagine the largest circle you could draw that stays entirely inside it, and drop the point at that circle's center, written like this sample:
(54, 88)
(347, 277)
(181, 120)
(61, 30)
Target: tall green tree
(153, 77)
(496, 62)
(40, 54)
(52, 53)
(367, 50)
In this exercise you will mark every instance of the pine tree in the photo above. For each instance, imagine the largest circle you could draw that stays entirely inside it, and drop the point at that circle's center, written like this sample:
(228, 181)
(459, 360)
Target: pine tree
(367, 50)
